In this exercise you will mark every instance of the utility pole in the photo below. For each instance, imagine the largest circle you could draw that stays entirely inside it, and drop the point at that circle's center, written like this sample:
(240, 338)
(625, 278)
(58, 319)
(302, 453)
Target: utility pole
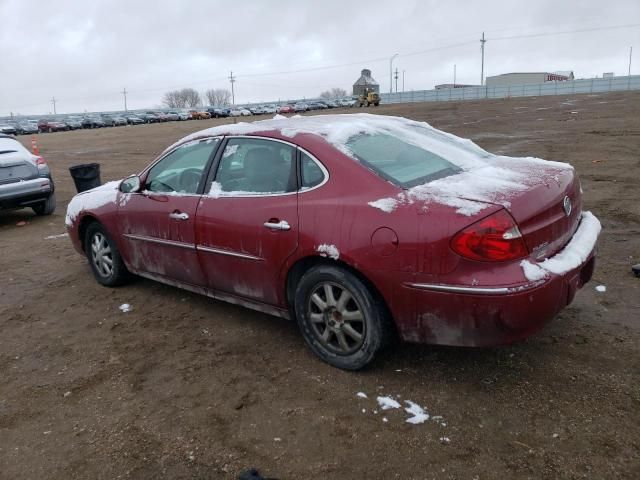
(53, 101)
(124, 92)
(454, 75)
(391, 72)
(403, 81)
(233, 94)
(396, 77)
(482, 42)
(630, 53)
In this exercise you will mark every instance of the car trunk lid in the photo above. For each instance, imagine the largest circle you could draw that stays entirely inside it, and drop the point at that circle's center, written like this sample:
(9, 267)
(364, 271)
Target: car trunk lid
(548, 212)
(14, 168)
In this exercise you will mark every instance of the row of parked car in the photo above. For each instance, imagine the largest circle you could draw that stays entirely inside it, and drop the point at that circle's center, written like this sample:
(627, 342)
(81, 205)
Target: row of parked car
(76, 122)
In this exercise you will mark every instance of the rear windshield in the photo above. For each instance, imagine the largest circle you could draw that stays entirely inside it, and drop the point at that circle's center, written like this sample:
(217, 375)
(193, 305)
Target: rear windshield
(400, 162)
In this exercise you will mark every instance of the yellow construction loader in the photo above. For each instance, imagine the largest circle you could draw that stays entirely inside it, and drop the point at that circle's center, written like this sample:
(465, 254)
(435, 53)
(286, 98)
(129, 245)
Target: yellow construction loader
(368, 97)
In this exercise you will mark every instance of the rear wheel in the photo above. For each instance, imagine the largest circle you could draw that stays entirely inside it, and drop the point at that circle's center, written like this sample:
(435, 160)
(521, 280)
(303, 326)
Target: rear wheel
(104, 258)
(341, 320)
(47, 207)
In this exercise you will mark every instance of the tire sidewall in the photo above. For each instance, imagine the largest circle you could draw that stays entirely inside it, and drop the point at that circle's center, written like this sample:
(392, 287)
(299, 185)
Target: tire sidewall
(373, 316)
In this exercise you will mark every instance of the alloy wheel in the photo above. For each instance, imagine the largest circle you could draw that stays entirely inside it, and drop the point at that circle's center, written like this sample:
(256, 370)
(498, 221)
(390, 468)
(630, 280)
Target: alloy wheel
(101, 255)
(336, 318)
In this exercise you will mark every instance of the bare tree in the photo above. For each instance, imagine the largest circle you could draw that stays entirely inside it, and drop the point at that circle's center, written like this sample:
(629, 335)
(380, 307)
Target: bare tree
(218, 96)
(184, 98)
(191, 97)
(334, 93)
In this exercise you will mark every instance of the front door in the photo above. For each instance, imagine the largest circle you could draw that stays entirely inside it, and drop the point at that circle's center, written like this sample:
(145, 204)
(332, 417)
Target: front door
(247, 222)
(158, 223)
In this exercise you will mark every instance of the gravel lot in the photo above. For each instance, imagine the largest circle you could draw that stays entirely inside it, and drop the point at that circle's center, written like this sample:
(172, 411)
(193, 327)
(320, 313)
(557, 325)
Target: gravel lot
(186, 387)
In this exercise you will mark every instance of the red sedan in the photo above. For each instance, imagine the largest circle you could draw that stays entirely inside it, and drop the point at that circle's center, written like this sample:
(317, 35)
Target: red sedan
(286, 109)
(359, 227)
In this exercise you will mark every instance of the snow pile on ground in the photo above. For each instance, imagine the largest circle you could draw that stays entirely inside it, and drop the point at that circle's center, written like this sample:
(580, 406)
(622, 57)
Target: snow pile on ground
(51, 237)
(125, 307)
(91, 199)
(387, 402)
(601, 288)
(417, 414)
(330, 251)
(574, 253)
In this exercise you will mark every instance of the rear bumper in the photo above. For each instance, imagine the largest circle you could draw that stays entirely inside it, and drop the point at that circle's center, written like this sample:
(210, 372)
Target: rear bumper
(484, 318)
(25, 193)
(473, 315)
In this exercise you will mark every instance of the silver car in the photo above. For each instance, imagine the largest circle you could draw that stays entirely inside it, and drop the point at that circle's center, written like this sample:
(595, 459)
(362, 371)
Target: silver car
(25, 179)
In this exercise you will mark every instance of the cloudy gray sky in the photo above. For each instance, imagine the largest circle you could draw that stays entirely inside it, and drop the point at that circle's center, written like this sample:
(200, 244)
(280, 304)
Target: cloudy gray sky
(85, 52)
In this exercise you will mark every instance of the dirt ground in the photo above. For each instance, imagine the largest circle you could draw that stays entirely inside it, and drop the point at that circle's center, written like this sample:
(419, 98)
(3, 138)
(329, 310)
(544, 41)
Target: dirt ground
(186, 387)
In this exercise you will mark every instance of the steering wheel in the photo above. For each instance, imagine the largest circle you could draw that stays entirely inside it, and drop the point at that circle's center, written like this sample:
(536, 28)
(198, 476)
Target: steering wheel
(189, 179)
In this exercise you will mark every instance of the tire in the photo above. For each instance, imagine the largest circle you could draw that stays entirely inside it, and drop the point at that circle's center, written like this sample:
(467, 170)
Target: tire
(349, 344)
(47, 207)
(99, 247)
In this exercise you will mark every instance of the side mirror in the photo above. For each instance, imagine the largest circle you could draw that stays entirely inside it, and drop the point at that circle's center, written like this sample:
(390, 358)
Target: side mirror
(130, 184)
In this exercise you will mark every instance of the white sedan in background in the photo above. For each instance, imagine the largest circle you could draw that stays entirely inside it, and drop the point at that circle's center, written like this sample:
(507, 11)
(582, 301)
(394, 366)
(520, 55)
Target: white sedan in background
(239, 112)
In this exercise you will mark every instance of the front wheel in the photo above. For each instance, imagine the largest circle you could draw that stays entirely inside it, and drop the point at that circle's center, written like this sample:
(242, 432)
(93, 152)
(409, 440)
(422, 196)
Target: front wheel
(342, 321)
(104, 258)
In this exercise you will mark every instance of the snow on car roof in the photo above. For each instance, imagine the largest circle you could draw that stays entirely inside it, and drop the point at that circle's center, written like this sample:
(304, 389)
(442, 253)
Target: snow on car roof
(485, 178)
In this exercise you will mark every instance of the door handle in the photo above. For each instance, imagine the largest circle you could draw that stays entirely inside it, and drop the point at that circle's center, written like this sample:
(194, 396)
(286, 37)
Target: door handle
(281, 225)
(179, 216)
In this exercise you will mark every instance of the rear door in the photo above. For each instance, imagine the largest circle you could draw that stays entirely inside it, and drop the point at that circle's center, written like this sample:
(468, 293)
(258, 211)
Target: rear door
(247, 223)
(158, 224)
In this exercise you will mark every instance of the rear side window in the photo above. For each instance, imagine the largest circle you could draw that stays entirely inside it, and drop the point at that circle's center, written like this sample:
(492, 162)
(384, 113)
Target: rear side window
(311, 174)
(256, 166)
(398, 161)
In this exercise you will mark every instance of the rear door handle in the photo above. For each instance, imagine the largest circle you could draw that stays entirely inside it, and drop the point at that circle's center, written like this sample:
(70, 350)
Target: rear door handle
(281, 225)
(179, 216)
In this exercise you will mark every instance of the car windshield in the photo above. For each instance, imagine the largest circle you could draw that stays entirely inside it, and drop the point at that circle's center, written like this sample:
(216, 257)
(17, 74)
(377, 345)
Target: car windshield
(398, 161)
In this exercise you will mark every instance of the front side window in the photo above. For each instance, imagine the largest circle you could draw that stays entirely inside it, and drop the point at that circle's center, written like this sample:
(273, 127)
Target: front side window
(256, 166)
(181, 171)
(399, 161)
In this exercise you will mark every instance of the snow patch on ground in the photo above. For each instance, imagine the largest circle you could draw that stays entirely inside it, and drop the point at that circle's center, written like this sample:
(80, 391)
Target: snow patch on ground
(125, 307)
(418, 414)
(601, 288)
(330, 251)
(361, 395)
(387, 403)
(51, 237)
(91, 199)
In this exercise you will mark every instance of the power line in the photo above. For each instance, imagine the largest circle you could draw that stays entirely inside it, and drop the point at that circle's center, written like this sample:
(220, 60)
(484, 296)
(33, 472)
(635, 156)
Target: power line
(567, 32)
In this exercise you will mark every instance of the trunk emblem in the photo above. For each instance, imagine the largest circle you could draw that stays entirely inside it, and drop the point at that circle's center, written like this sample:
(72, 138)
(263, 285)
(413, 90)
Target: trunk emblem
(566, 205)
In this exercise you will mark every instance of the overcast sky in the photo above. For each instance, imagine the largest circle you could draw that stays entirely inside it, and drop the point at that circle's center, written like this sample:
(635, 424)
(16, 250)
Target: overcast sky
(85, 52)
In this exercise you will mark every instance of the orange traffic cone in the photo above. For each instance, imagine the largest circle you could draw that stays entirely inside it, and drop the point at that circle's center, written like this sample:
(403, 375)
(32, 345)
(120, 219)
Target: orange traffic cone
(34, 146)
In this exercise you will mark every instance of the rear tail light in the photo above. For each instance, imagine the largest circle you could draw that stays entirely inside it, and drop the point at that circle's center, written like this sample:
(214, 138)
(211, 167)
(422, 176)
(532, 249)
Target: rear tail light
(495, 238)
(41, 162)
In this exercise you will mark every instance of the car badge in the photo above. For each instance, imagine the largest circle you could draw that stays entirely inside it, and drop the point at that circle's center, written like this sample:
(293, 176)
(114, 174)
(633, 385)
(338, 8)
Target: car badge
(566, 205)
